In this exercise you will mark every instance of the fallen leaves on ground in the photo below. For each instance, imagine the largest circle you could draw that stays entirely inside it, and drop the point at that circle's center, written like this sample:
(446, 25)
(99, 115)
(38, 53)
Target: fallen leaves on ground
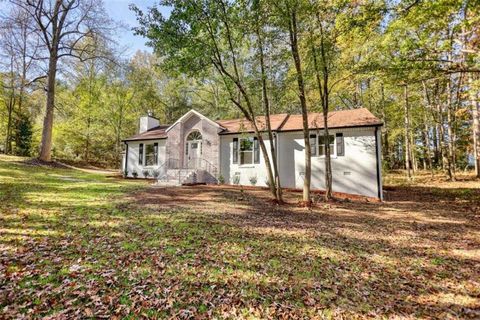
(90, 247)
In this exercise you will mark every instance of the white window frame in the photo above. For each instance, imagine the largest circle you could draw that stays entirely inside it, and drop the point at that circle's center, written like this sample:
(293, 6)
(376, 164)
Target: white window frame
(145, 154)
(317, 151)
(251, 151)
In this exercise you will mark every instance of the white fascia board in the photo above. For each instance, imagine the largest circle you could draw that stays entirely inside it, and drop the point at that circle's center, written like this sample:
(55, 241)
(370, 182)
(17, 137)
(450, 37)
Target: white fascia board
(189, 114)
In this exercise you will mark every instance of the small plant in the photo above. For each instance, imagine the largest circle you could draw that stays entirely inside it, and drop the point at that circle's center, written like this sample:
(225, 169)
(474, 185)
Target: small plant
(221, 179)
(253, 180)
(236, 179)
(134, 174)
(125, 173)
(146, 173)
(156, 173)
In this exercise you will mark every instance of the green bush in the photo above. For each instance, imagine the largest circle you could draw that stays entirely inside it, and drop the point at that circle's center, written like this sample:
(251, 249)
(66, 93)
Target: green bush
(146, 173)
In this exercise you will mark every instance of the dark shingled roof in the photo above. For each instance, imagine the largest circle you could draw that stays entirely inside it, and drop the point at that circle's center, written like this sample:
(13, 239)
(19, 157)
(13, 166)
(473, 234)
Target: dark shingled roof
(157, 132)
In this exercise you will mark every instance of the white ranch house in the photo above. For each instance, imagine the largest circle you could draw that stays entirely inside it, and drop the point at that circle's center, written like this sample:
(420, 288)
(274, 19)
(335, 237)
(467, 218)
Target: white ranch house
(196, 149)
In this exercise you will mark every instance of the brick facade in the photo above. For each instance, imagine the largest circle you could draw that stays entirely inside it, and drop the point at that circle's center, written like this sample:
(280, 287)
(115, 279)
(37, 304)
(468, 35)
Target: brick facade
(177, 135)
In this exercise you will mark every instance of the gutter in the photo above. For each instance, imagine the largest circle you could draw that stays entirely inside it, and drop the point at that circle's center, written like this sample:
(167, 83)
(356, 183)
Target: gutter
(377, 160)
(126, 157)
(144, 139)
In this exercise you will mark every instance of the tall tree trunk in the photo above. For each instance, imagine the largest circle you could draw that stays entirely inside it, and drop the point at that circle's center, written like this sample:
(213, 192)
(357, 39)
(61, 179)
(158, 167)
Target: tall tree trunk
(413, 150)
(427, 145)
(425, 153)
(435, 145)
(248, 112)
(426, 132)
(266, 105)
(475, 126)
(46, 147)
(322, 86)
(87, 141)
(303, 103)
(328, 162)
(442, 143)
(386, 146)
(407, 133)
(451, 136)
(473, 94)
(8, 137)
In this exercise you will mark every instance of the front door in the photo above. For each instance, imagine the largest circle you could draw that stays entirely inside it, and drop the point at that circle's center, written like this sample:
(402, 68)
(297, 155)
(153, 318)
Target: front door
(193, 153)
(193, 149)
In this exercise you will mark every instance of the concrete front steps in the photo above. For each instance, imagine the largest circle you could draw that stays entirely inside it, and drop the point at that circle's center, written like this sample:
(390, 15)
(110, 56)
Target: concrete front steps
(178, 177)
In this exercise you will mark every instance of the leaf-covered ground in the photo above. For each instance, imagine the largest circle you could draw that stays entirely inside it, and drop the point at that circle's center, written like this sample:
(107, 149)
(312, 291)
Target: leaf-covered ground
(80, 245)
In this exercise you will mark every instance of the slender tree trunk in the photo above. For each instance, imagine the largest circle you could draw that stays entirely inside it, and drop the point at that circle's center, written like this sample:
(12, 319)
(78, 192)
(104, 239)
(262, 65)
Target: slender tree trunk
(426, 132)
(435, 145)
(249, 111)
(475, 126)
(424, 147)
(8, 137)
(328, 162)
(427, 145)
(10, 108)
(474, 101)
(46, 147)
(303, 103)
(407, 133)
(386, 146)
(87, 141)
(266, 104)
(322, 87)
(451, 137)
(442, 143)
(413, 150)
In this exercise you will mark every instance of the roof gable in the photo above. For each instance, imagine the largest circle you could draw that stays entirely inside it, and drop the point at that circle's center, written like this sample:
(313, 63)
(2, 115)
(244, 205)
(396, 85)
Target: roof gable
(190, 113)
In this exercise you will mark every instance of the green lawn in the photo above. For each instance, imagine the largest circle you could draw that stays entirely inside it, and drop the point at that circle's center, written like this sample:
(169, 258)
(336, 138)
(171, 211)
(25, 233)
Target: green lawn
(74, 244)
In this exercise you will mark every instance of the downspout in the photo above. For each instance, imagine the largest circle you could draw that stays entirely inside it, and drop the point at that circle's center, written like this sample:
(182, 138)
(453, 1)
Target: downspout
(275, 136)
(126, 158)
(377, 159)
(219, 157)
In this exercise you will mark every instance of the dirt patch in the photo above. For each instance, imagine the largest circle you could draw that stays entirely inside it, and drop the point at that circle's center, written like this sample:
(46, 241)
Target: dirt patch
(40, 163)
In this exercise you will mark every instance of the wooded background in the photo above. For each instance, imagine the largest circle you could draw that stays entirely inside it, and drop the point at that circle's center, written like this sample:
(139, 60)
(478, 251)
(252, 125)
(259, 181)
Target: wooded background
(414, 64)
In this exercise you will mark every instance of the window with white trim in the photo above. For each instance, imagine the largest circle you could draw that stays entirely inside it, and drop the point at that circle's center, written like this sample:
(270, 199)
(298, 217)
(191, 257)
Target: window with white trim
(336, 143)
(313, 145)
(321, 144)
(151, 154)
(246, 150)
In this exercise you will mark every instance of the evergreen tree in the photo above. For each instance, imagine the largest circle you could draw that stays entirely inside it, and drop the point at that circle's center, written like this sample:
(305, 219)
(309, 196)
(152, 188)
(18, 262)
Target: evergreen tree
(24, 133)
